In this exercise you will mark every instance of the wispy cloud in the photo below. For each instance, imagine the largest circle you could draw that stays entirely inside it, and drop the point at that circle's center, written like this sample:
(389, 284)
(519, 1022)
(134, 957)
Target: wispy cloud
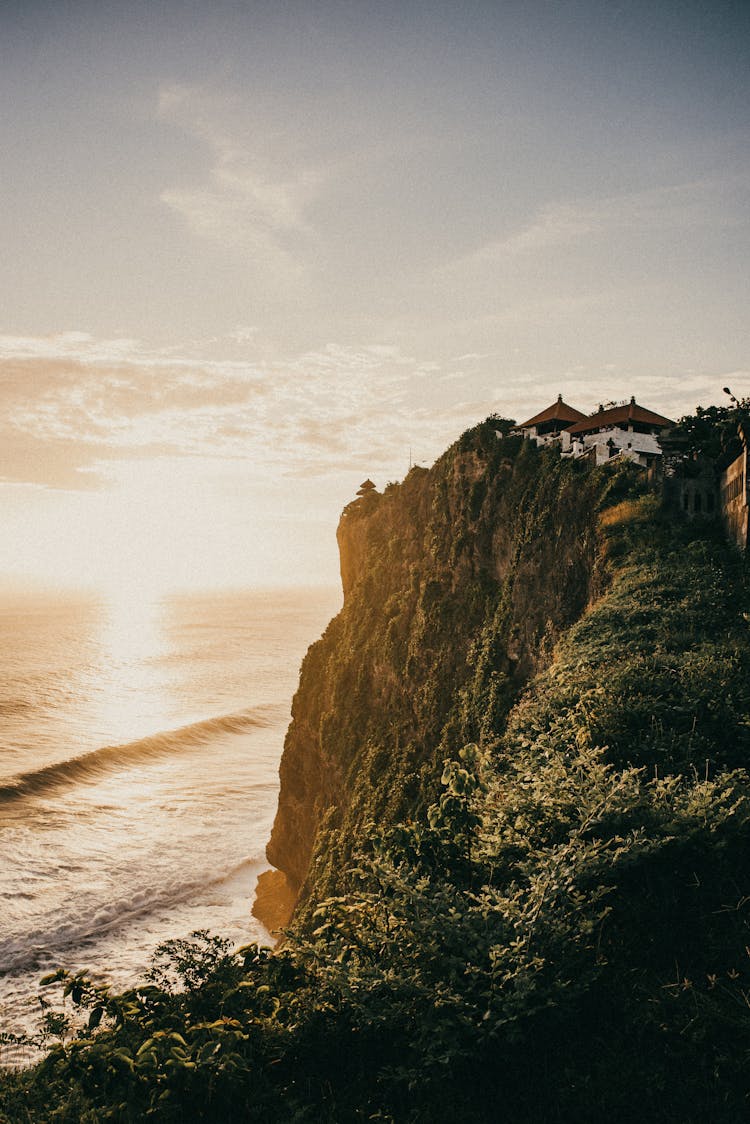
(70, 403)
(717, 202)
(252, 199)
(556, 225)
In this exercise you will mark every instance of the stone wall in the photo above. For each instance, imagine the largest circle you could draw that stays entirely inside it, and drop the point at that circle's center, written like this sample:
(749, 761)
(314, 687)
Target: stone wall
(733, 498)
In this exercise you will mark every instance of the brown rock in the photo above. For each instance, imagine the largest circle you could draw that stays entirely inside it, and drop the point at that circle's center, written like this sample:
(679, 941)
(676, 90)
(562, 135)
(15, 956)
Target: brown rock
(274, 901)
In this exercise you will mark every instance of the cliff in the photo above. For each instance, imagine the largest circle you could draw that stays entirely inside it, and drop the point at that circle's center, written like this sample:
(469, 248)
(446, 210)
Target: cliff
(457, 584)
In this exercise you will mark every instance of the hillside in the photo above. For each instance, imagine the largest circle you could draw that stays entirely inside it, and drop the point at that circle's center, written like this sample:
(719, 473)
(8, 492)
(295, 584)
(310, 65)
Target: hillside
(516, 811)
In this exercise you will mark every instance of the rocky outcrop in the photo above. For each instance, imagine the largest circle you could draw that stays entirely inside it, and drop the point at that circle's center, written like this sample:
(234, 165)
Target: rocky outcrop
(275, 899)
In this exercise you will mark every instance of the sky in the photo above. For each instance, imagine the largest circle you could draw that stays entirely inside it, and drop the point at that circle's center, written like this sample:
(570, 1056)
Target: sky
(252, 253)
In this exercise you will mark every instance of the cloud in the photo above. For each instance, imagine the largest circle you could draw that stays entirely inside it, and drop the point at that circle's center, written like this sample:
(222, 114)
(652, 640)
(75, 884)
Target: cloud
(555, 225)
(75, 345)
(254, 198)
(72, 403)
(719, 202)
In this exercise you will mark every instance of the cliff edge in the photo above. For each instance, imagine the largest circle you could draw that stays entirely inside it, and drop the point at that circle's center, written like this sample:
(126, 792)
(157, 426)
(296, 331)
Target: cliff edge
(457, 583)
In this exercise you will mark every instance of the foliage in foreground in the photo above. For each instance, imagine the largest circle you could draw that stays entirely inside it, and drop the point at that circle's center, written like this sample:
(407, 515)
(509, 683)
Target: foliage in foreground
(475, 976)
(564, 937)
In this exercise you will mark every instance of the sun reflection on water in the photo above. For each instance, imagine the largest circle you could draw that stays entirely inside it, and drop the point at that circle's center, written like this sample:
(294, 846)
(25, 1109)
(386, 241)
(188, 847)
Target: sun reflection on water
(130, 686)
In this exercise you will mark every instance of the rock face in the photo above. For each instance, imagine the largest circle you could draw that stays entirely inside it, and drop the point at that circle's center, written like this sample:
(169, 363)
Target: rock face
(457, 583)
(274, 901)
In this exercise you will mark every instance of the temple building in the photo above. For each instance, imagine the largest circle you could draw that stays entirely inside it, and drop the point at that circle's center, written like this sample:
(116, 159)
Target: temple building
(629, 431)
(547, 426)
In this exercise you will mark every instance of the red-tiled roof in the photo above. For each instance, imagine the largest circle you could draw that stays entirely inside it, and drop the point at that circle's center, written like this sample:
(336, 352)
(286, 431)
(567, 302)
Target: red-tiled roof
(620, 415)
(559, 411)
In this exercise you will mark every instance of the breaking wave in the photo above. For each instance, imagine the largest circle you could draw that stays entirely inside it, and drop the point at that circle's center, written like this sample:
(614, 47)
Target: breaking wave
(90, 766)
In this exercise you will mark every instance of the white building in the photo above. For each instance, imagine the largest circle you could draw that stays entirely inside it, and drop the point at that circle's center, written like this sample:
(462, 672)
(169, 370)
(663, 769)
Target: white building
(629, 431)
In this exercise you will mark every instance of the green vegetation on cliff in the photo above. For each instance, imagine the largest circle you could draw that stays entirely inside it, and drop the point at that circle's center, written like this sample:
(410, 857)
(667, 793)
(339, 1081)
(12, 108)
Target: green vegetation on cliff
(456, 585)
(552, 924)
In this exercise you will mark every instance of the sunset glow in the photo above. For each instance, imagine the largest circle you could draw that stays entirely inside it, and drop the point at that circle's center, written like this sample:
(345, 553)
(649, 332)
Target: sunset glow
(255, 254)
(374, 525)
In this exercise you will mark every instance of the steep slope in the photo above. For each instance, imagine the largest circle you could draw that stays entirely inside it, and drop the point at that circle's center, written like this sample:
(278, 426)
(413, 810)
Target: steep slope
(564, 936)
(457, 584)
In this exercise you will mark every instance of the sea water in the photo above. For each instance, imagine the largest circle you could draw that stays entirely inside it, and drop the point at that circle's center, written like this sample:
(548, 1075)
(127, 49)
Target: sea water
(139, 750)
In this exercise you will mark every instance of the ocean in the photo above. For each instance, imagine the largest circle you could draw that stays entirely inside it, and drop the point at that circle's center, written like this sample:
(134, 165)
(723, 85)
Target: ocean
(139, 753)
